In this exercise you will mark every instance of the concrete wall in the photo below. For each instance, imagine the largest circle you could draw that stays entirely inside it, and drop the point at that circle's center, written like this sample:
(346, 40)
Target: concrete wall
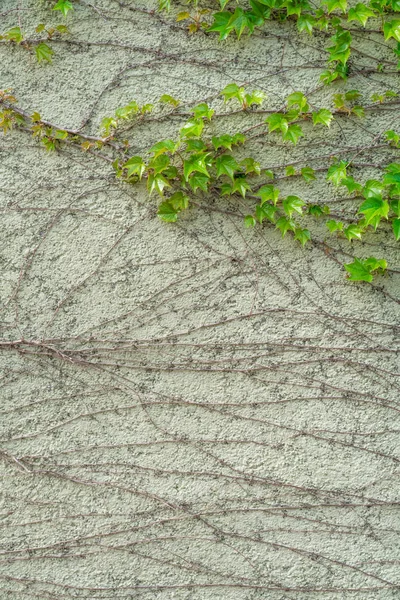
(199, 411)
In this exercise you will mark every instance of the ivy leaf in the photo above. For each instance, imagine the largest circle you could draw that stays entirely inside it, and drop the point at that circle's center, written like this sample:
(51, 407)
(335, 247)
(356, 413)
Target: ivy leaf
(241, 19)
(372, 189)
(179, 201)
(268, 192)
(333, 225)
(64, 6)
(306, 23)
(302, 235)
(290, 171)
(361, 270)
(241, 185)
(167, 212)
(197, 163)
(226, 165)
(391, 29)
(293, 134)
(353, 231)
(162, 147)
(251, 166)
(374, 209)
(351, 185)
(323, 116)
(182, 16)
(285, 225)
(392, 176)
(197, 180)
(360, 13)
(221, 24)
(135, 166)
(159, 164)
(336, 5)
(14, 35)
(232, 90)
(249, 221)
(277, 121)
(293, 204)
(298, 99)
(193, 128)
(222, 141)
(203, 111)
(167, 99)
(337, 172)
(157, 182)
(265, 211)
(308, 174)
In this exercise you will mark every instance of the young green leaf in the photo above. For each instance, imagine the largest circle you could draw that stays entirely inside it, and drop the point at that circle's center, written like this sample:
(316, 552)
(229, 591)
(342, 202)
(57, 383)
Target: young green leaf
(302, 235)
(167, 212)
(268, 192)
(64, 6)
(293, 204)
(337, 172)
(43, 52)
(323, 116)
(226, 165)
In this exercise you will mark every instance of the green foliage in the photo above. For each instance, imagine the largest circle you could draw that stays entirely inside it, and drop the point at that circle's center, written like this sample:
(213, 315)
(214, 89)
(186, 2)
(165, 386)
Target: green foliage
(364, 270)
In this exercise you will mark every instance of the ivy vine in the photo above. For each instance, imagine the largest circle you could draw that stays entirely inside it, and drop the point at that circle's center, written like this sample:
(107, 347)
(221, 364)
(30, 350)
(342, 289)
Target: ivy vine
(192, 165)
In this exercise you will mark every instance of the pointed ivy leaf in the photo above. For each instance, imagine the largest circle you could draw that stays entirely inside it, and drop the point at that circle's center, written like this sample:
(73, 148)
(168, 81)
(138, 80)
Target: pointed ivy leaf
(14, 35)
(265, 211)
(226, 165)
(298, 99)
(305, 22)
(353, 231)
(293, 204)
(194, 145)
(372, 188)
(167, 212)
(179, 201)
(285, 225)
(199, 181)
(197, 163)
(162, 147)
(308, 174)
(135, 166)
(233, 91)
(157, 183)
(358, 271)
(249, 221)
(167, 99)
(337, 172)
(221, 24)
(302, 235)
(159, 164)
(333, 225)
(64, 6)
(392, 176)
(203, 111)
(293, 134)
(290, 171)
(251, 166)
(193, 128)
(241, 185)
(374, 209)
(351, 185)
(43, 52)
(323, 116)
(222, 141)
(360, 13)
(268, 192)
(336, 5)
(277, 121)
(391, 29)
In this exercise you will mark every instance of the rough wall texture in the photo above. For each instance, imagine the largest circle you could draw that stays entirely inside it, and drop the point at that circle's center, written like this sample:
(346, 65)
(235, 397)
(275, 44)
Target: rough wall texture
(198, 411)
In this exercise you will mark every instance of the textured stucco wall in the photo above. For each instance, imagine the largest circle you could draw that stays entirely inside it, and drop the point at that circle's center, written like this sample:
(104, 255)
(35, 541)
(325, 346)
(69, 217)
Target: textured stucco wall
(228, 427)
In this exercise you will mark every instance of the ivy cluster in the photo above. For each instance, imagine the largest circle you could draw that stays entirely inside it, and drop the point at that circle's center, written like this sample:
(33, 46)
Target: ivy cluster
(195, 164)
(331, 17)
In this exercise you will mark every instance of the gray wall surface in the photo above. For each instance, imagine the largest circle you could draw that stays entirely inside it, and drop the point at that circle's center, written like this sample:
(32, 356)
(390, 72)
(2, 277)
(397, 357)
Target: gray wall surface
(191, 410)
